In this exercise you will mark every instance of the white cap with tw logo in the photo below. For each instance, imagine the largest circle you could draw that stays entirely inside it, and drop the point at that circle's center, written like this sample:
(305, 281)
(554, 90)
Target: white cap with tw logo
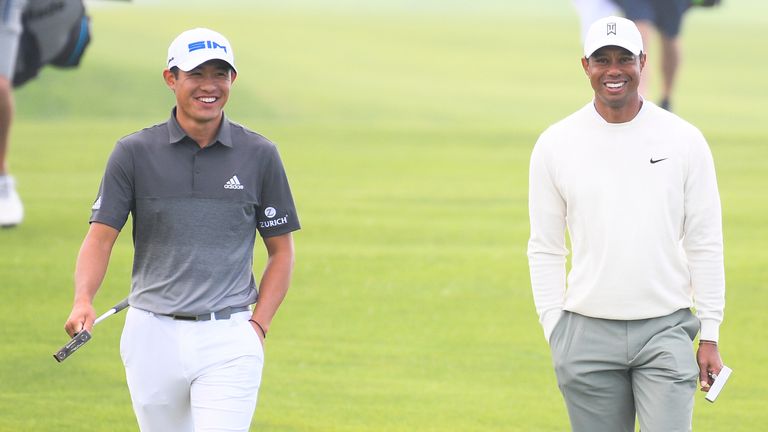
(613, 30)
(195, 47)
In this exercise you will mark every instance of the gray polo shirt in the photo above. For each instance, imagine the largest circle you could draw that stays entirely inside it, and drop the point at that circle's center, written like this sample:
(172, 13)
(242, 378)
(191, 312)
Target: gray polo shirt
(195, 213)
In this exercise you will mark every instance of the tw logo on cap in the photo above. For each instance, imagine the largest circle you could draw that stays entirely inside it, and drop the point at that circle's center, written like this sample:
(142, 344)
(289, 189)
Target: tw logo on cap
(611, 30)
(194, 46)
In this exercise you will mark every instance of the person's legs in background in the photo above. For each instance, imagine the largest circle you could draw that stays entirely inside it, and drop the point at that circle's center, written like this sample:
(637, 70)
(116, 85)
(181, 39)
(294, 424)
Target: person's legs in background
(11, 210)
(668, 21)
(662, 17)
(670, 60)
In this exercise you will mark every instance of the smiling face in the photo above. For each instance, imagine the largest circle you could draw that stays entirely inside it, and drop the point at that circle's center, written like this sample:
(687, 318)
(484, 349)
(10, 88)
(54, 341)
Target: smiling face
(201, 93)
(614, 73)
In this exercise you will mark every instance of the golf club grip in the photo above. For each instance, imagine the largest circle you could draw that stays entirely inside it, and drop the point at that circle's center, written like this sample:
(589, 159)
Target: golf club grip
(115, 309)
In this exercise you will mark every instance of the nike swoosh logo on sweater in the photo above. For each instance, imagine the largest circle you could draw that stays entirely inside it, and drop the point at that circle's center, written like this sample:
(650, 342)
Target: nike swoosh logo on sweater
(658, 160)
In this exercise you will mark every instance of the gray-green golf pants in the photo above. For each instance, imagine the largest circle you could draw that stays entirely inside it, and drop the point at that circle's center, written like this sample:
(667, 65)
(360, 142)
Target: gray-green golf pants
(610, 370)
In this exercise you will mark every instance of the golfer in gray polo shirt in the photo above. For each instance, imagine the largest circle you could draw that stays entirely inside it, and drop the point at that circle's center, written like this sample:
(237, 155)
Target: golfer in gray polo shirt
(198, 187)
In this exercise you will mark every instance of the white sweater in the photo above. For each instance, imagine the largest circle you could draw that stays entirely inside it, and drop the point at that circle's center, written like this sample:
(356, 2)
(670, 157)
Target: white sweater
(642, 209)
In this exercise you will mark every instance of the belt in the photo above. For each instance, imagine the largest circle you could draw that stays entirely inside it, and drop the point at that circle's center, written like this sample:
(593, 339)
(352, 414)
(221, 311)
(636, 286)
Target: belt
(223, 314)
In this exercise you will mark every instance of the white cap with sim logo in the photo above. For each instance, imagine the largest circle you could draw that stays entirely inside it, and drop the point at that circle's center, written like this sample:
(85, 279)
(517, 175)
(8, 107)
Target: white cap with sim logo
(195, 47)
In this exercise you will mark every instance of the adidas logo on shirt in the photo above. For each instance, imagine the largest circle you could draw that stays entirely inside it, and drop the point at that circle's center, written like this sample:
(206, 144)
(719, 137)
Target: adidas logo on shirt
(233, 183)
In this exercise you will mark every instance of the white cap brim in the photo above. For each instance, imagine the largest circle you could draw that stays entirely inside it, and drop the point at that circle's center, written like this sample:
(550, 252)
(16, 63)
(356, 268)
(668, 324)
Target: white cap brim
(623, 43)
(193, 61)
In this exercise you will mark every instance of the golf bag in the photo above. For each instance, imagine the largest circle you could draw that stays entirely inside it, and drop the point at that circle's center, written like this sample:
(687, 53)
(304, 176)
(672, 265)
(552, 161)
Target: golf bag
(54, 32)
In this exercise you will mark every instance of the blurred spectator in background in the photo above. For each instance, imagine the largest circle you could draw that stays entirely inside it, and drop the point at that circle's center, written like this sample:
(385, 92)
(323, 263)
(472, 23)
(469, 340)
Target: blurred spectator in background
(33, 33)
(665, 18)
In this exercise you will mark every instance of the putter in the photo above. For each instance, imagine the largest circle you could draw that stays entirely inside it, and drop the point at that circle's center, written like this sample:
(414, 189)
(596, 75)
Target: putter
(80, 338)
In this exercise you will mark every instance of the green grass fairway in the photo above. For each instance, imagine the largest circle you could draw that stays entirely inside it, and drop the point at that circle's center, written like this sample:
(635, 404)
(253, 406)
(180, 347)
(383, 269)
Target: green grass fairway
(406, 132)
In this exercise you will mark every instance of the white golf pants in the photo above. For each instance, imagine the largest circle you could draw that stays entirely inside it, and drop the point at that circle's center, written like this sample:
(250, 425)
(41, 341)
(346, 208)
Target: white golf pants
(191, 376)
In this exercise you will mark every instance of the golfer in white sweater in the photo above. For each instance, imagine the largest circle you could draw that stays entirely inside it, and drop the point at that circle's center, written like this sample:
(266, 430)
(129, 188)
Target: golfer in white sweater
(635, 187)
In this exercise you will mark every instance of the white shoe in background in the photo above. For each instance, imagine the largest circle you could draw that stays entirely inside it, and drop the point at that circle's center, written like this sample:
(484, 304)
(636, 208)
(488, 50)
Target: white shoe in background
(11, 210)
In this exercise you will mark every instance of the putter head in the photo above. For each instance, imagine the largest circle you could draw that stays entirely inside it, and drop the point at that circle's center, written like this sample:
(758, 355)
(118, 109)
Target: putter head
(77, 341)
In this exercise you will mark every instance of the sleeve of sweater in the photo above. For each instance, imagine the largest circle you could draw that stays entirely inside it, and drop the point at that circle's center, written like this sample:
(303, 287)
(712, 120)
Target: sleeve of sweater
(546, 246)
(703, 238)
